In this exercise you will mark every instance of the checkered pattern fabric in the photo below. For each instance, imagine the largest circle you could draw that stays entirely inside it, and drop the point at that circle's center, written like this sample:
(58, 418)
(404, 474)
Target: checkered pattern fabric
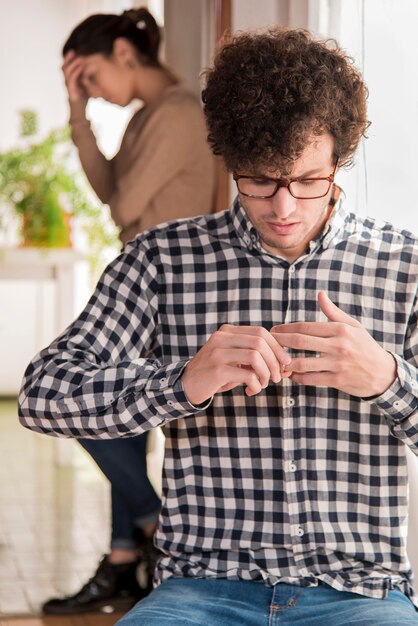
(297, 484)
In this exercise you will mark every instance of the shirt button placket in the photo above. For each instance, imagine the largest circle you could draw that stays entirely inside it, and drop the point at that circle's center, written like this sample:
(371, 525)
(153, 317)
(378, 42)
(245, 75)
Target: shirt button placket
(292, 466)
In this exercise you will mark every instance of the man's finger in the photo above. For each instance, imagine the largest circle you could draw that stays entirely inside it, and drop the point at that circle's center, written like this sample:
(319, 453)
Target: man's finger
(253, 360)
(333, 313)
(257, 331)
(301, 365)
(297, 341)
(241, 376)
(314, 379)
(315, 329)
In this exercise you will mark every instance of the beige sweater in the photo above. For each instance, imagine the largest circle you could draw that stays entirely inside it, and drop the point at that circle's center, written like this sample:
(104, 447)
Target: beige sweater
(163, 170)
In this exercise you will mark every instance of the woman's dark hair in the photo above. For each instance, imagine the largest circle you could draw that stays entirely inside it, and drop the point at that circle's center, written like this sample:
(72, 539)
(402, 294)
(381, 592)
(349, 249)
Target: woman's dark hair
(97, 33)
(268, 92)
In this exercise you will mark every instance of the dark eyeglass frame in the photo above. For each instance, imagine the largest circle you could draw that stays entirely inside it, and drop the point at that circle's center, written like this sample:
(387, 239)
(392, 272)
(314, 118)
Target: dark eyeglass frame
(283, 182)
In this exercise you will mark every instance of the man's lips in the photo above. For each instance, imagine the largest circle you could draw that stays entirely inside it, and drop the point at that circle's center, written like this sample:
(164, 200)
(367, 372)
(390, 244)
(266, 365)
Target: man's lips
(283, 229)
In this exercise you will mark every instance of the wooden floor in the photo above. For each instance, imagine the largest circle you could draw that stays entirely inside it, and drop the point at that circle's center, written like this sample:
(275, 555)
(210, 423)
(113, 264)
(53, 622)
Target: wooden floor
(93, 619)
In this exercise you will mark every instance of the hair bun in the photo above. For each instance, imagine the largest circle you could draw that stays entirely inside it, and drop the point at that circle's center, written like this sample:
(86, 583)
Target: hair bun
(148, 31)
(138, 16)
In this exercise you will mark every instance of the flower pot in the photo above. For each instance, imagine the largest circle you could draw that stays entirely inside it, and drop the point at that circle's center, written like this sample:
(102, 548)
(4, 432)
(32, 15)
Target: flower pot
(37, 232)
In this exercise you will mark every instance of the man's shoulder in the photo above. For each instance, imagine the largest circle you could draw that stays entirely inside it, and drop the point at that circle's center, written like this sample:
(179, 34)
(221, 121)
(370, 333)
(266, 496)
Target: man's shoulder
(376, 230)
(188, 231)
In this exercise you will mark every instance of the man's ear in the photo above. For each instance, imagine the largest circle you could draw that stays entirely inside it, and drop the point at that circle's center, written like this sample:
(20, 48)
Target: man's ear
(123, 52)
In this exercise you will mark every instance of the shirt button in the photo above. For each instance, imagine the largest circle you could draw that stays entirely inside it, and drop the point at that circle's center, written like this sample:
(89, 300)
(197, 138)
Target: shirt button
(291, 402)
(292, 466)
(413, 383)
(170, 403)
(299, 531)
(292, 269)
(397, 404)
(163, 381)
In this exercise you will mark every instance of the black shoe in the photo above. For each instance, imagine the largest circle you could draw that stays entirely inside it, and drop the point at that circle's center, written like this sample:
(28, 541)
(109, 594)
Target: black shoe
(112, 588)
(150, 555)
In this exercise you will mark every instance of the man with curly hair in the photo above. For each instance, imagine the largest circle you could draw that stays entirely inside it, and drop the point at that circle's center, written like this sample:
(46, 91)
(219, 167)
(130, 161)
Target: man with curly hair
(269, 343)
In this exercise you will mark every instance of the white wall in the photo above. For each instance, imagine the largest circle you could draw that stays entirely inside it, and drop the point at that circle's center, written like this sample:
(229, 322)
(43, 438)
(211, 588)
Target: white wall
(32, 33)
(26, 325)
(250, 14)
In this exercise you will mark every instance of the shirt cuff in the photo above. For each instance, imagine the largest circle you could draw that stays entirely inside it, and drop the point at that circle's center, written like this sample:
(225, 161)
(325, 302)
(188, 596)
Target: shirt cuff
(166, 392)
(401, 399)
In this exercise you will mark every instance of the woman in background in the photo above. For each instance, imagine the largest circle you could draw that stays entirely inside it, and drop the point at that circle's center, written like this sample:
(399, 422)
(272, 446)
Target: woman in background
(163, 170)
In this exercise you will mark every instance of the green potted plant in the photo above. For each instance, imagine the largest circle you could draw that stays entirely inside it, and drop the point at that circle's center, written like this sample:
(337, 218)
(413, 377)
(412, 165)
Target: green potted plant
(41, 183)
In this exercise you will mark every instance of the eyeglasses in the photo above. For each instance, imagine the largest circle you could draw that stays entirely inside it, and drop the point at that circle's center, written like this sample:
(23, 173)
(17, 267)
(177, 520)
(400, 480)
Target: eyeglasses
(299, 188)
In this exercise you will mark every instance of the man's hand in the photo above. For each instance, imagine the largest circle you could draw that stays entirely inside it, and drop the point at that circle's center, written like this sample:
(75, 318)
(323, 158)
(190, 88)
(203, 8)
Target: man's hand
(350, 359)
(233, 356)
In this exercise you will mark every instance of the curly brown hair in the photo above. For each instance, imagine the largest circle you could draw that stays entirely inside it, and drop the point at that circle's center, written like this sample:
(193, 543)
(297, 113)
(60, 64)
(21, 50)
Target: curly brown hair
(268, 92)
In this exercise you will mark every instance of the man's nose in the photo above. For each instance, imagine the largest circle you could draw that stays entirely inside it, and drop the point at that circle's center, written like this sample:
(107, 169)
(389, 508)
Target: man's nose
(283, 202)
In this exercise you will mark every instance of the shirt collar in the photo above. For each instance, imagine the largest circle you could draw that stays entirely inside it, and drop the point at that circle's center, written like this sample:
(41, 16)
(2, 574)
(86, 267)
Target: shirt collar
(243, 226)
(336, 219)
(249, 235)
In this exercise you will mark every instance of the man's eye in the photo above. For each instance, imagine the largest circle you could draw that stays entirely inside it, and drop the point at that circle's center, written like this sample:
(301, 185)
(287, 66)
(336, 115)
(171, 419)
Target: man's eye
(260, 181)
(306, 182)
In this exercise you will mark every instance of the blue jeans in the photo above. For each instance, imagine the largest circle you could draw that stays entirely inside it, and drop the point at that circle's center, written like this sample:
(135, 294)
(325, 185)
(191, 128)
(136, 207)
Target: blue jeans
(220, 602)
(133, 499)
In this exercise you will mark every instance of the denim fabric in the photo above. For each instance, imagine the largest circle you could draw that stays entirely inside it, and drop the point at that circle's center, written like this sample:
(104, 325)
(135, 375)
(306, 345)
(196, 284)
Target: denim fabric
(133, 499)
(220, 602)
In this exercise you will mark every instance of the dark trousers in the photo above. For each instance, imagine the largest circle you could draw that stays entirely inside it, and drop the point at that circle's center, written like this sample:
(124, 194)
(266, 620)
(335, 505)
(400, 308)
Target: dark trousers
(133, 499)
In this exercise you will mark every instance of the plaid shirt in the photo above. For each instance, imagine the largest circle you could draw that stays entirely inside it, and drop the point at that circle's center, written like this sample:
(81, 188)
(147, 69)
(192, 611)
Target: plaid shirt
(297, 484)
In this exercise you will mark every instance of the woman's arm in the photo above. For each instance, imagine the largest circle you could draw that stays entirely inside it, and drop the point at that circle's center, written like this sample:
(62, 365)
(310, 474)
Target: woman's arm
(98, 169)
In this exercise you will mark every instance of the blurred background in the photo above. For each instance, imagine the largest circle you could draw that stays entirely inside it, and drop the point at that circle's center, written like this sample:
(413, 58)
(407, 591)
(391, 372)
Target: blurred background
(52, 500)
